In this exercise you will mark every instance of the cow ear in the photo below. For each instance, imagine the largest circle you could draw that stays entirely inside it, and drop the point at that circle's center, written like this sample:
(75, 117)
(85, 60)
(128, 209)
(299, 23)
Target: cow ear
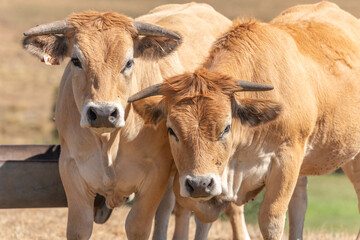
(256, 111)
(154, 47)
(50, 49)
(151, 109)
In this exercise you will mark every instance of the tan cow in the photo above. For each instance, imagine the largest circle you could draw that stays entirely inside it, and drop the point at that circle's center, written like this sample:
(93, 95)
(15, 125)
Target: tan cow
(234, 213)
(106, 148)
(229, 144)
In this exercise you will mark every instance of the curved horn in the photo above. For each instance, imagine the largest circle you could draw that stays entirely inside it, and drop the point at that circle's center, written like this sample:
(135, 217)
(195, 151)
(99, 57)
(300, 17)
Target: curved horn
(251, 86)
(57, 27)
(153, 30)
(146, 92)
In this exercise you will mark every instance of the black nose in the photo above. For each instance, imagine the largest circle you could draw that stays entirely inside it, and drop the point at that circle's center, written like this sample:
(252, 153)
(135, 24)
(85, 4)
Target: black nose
(199, 186)
(106, 117)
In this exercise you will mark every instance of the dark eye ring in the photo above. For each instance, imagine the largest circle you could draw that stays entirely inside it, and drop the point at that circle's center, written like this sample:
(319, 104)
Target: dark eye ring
(172, 133)
(76, 62)
(226, 131)
(128, 65)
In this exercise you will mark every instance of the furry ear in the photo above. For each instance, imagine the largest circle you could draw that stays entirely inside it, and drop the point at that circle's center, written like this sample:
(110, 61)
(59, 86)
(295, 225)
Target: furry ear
(155, 47)
(50, 49)
(151, 109)
(256, 111)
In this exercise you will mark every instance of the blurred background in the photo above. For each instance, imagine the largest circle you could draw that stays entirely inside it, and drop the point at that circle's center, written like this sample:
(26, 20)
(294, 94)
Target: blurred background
(28, 91)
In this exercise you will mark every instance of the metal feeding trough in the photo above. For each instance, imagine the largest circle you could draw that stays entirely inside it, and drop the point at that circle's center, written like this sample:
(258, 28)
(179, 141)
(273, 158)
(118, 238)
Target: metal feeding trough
(29, 178)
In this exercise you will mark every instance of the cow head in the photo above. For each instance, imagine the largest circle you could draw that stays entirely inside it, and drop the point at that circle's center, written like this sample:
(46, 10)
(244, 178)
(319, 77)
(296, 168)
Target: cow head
(102, 48)
(201, 113)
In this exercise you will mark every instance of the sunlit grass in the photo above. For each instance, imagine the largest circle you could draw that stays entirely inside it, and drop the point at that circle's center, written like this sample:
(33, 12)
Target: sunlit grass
(332, 205)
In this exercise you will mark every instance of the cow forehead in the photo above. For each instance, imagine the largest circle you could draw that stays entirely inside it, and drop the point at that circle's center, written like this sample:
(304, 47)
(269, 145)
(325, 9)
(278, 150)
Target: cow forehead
(101, 21)
(110, 46)
(102, 32)
(208, 115)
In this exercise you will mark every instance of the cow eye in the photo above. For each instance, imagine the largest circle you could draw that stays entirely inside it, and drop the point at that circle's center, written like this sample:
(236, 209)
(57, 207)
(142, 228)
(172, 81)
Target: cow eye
(128, 65)
(171, 132)
(225, 132)
(76, 62)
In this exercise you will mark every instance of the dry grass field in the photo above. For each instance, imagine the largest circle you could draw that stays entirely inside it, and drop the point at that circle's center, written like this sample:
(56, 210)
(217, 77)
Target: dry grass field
(46, 224)
(27, 89)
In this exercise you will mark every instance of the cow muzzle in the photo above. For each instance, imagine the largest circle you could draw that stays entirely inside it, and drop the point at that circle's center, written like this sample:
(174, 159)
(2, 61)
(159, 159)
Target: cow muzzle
(201, 187)
(105, 115)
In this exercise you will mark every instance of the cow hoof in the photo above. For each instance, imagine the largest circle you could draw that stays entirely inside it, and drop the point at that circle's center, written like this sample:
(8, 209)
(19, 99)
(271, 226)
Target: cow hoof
(101, 211)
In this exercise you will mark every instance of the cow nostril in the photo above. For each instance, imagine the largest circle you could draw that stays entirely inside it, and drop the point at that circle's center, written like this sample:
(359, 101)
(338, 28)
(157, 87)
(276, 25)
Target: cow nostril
(211, 183)
(91, 115)
(188, 186)
(115, 113)
(113, 116)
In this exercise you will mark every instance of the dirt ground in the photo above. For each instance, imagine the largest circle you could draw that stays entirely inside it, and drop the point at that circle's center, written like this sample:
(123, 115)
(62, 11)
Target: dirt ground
(46, 224)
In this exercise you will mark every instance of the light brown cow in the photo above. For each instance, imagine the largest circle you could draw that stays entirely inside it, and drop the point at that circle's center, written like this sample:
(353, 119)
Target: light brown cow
(229, 144)
(106, 148)
(234, 213)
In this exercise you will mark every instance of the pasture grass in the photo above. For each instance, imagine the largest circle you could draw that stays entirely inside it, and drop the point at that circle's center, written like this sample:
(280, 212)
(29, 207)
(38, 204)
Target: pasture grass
(332, 205)
(50, 223)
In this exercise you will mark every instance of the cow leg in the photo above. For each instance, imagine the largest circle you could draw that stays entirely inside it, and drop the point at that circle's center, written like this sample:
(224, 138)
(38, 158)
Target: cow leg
(163, 212)
(352, 171)
(236, 217)
(182, 217)
(297, 209)
(280, 184)
(80, 201)
(202, 229)
(139, 220)
(235, 214)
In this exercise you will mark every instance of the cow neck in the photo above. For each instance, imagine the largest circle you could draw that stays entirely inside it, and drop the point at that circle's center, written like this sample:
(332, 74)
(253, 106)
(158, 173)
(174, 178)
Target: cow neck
(146, 73)
(108, 144)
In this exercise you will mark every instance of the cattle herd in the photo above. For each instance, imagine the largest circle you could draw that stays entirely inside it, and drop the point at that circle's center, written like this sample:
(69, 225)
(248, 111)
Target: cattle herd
(183, 106)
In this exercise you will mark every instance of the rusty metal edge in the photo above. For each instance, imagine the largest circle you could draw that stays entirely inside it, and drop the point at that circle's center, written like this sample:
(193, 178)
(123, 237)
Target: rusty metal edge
(29, 153)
